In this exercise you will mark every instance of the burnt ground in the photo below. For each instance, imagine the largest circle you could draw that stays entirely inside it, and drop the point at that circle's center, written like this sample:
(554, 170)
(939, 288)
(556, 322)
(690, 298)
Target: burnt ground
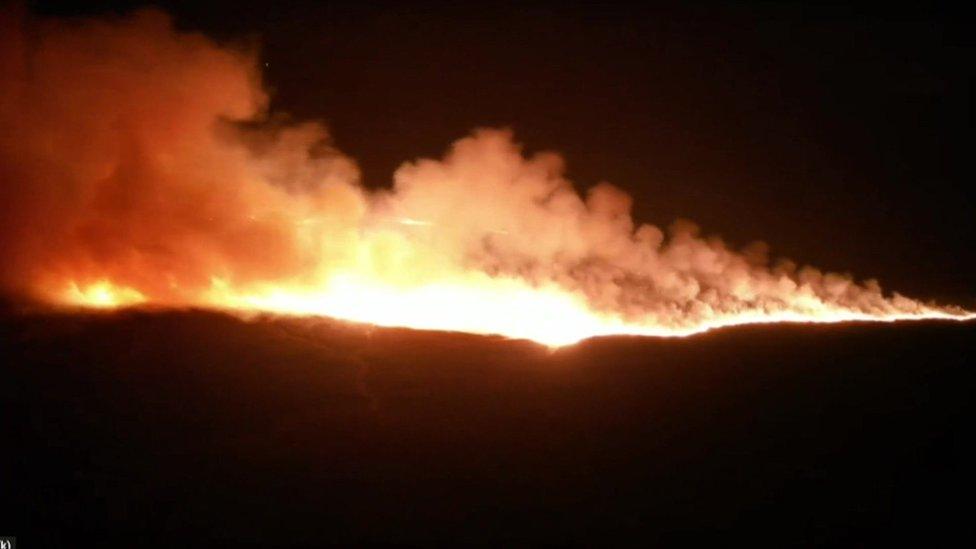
(198, 428)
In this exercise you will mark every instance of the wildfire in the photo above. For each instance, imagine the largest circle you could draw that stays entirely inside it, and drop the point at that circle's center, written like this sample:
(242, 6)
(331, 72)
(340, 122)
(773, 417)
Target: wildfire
(102, 294)
(489, 306)
(141, 168)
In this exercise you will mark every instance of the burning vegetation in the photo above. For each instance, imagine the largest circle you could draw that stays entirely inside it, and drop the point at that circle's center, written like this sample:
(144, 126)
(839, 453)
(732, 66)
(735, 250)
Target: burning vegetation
(141, 165)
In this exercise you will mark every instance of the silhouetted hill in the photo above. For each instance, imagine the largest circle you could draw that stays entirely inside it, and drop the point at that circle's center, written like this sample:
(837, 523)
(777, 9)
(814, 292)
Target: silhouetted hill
(197, 427)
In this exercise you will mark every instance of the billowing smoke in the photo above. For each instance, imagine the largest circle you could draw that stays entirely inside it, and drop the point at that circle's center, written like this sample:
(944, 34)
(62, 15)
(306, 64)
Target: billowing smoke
(124, 157)
(145, 159)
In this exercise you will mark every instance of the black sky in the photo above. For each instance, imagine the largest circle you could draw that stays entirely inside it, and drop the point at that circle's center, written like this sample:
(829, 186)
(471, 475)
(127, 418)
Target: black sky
(840, 135)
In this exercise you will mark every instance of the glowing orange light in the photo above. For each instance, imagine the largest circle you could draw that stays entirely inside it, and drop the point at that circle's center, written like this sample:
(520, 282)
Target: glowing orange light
(509, 309)
(101, 295)
(145, 168)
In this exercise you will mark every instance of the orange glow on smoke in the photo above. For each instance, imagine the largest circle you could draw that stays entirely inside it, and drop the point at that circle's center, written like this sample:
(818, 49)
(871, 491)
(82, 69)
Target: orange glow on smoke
(141, 167)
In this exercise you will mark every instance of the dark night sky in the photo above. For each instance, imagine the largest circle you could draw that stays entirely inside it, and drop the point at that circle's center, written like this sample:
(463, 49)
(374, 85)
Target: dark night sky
(838, 135)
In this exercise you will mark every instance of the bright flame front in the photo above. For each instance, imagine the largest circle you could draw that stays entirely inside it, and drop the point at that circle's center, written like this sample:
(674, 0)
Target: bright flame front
(479, 305)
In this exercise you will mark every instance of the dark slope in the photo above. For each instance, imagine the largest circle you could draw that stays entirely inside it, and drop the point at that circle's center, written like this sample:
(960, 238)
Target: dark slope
(197, 427)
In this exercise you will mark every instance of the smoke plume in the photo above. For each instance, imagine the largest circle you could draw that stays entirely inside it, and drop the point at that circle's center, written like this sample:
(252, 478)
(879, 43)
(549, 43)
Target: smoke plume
(141, 164)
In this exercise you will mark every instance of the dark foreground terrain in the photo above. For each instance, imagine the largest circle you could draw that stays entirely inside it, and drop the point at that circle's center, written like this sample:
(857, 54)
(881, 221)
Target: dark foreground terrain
(201, 429)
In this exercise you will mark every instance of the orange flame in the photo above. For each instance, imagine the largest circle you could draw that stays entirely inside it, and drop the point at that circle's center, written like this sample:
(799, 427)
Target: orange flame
(483, 305)
(102, 294)
(140, 168)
